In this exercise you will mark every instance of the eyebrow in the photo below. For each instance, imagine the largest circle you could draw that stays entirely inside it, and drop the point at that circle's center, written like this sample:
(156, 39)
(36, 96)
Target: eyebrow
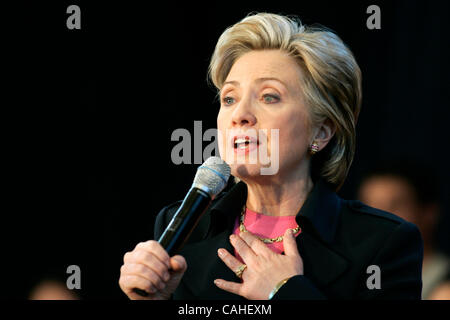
(259, 80)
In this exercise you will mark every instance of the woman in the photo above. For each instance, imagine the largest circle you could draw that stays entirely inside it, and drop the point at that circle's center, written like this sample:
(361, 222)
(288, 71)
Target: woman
(284, 235)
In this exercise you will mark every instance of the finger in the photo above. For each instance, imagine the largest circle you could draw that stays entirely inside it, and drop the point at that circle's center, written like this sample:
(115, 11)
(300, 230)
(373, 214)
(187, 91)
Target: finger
(156, 249)
(128, 282)
(243, 249)
(229, 259)
(178, 263)
(229, 286)
(135, 296)
(151, 261)
(255, 243)
(142, 271)
(290, 244)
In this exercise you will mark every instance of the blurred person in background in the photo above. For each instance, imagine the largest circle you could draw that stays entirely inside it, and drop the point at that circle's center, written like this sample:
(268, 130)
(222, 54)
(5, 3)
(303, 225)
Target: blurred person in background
(411, 191)
(51, 288)
(441, 292)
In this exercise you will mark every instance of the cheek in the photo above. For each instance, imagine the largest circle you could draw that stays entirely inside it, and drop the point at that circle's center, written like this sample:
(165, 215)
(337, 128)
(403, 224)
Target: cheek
(219, 119)
(223, 118)
(294, 136)
(221, 133)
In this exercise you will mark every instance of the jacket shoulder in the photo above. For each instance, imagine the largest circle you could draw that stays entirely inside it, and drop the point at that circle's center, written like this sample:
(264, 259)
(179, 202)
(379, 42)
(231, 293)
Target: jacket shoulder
(166, 214)
(362, 222)
(359, 208)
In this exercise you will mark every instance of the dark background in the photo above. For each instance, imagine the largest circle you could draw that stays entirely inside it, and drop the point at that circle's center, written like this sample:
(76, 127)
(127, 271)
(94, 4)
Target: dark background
(94, 109)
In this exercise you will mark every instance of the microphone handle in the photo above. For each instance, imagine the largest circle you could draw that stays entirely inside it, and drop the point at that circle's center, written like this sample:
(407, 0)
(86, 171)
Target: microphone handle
(183, 223)
(185, 220)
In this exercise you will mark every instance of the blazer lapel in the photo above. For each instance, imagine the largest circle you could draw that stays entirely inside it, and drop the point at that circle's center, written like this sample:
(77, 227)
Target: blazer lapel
(318, 218)
(321, 264)
(207, 267)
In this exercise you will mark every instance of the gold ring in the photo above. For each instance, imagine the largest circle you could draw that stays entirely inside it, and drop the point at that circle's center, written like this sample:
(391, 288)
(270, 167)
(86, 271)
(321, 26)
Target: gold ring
(239, 271)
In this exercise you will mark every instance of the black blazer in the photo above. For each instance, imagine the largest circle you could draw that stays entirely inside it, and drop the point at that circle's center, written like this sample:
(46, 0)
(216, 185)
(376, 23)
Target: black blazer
(339, 240)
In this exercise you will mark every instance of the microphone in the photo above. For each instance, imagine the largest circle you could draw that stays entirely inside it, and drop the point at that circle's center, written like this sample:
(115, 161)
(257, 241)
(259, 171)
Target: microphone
(210, 179)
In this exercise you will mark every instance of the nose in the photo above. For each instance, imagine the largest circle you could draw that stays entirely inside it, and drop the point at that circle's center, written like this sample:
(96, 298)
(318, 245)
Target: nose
(243, 114)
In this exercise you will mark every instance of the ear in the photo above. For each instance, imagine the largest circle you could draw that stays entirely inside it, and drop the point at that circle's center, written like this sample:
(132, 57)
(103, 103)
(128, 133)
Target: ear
(324, 133)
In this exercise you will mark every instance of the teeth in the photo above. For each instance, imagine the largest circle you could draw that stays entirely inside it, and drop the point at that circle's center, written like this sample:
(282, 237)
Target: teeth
(242, 143)
(240, 140)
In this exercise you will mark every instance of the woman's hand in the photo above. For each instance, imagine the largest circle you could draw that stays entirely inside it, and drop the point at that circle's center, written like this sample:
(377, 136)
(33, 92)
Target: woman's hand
(148, 267)
(265, 269)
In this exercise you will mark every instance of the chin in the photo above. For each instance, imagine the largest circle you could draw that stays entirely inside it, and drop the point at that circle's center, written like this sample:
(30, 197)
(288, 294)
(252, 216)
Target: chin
(246, 171)
(252, 173)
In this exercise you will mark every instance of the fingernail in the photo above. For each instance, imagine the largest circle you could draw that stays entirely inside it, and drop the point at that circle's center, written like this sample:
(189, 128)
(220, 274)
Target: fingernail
(220, 252)
(217, 282)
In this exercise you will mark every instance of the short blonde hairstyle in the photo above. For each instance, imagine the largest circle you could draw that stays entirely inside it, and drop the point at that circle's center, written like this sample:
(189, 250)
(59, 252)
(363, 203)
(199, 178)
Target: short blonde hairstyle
(331, 82)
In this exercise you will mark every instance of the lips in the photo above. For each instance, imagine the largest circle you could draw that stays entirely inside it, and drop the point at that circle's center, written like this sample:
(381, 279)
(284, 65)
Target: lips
(244, 143)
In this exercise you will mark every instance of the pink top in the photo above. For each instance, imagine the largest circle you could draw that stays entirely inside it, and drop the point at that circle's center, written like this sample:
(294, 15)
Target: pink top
(266, 227)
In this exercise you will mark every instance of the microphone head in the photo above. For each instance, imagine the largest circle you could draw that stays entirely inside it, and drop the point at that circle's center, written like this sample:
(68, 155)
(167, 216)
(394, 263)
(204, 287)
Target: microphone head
(212, 176)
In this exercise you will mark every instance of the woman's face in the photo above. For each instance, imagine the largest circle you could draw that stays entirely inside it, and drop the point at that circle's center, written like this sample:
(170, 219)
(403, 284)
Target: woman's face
(262, 91)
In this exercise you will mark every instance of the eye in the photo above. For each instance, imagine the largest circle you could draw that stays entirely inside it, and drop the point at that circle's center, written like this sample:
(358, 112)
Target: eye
(271, 98)
(227, 100)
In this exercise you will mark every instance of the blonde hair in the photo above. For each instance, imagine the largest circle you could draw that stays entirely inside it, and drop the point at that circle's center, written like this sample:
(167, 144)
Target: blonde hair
(331, 83)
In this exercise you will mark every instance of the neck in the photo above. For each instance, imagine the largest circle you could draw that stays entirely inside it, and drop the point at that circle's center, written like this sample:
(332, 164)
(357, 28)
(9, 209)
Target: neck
(279, 198)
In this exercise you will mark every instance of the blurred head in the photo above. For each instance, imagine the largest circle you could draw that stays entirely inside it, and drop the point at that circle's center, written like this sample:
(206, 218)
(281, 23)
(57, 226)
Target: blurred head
(274, 73)
(441, 292)
(406, 189)
(50, 289)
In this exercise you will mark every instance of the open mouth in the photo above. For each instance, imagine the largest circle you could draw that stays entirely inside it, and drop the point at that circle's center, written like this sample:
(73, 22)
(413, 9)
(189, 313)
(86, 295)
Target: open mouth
(245, 143)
